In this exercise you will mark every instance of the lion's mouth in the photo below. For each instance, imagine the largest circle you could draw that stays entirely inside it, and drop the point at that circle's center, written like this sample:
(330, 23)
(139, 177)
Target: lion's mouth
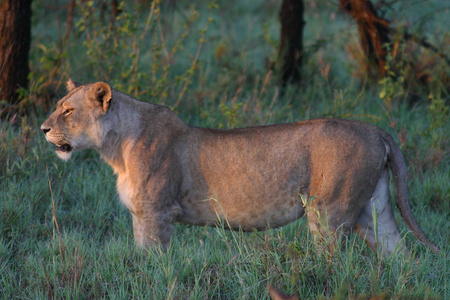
(64, 148)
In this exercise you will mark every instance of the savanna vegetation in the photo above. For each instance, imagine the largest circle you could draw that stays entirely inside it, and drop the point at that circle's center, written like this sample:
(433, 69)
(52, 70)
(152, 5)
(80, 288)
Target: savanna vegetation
(64, 233)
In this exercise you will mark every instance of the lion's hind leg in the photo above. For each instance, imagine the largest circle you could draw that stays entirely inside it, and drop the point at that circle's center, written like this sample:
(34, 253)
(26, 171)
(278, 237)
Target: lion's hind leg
(376, 224)
(326, 229)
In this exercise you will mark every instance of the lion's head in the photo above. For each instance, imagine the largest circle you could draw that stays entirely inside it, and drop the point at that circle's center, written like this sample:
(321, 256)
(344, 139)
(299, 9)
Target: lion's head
(79, 119)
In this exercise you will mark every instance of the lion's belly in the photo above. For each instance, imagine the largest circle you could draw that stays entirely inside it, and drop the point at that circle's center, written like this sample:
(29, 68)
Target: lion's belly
(249, 215)
(242, 203)
(255, 215)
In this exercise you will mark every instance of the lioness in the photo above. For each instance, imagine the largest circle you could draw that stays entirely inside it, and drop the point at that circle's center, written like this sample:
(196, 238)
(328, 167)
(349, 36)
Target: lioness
(250, 178)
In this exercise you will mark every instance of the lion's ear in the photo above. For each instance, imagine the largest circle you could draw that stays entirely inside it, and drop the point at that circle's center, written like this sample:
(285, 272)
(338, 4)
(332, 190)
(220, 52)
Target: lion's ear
(101, 92)
(70, 85)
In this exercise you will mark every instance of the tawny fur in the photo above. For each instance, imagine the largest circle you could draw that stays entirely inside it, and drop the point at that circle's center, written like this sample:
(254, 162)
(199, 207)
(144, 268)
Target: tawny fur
(249, 178)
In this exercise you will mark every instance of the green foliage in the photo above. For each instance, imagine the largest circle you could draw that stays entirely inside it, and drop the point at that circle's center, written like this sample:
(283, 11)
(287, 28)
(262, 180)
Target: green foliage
(231, 114)
(63, 231)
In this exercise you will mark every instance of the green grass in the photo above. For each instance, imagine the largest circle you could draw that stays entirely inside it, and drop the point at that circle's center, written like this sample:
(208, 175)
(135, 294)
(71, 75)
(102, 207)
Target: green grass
(91, 253)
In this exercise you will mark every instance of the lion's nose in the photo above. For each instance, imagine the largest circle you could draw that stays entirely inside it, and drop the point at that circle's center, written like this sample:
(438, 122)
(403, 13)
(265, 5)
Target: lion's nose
(45, 130)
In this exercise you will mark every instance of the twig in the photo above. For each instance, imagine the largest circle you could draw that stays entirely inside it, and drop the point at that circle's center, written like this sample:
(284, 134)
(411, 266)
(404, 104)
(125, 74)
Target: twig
(59, 27)
(55, 221)
(425, 44)
(194, 62)
(69, 20)
(147, 24)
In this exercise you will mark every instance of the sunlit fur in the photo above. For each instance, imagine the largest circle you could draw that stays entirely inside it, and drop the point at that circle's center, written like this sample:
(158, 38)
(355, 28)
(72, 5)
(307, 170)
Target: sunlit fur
(249, 178)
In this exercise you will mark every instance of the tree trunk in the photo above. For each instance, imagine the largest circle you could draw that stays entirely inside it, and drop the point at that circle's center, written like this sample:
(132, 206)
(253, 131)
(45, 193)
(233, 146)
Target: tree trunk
(291, 40)
(373, 31)
(15, 33)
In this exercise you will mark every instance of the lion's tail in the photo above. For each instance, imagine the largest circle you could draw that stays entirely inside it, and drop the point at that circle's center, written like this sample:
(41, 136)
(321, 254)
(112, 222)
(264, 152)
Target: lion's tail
(398, 167)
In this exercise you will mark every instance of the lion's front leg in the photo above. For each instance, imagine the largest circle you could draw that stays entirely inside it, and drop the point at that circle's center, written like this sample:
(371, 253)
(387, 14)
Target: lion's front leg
(149, 190)
(153, 223)
(152, 228)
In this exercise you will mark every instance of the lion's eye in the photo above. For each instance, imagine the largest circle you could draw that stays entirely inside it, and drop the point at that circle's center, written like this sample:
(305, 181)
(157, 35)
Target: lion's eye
(67, 112)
